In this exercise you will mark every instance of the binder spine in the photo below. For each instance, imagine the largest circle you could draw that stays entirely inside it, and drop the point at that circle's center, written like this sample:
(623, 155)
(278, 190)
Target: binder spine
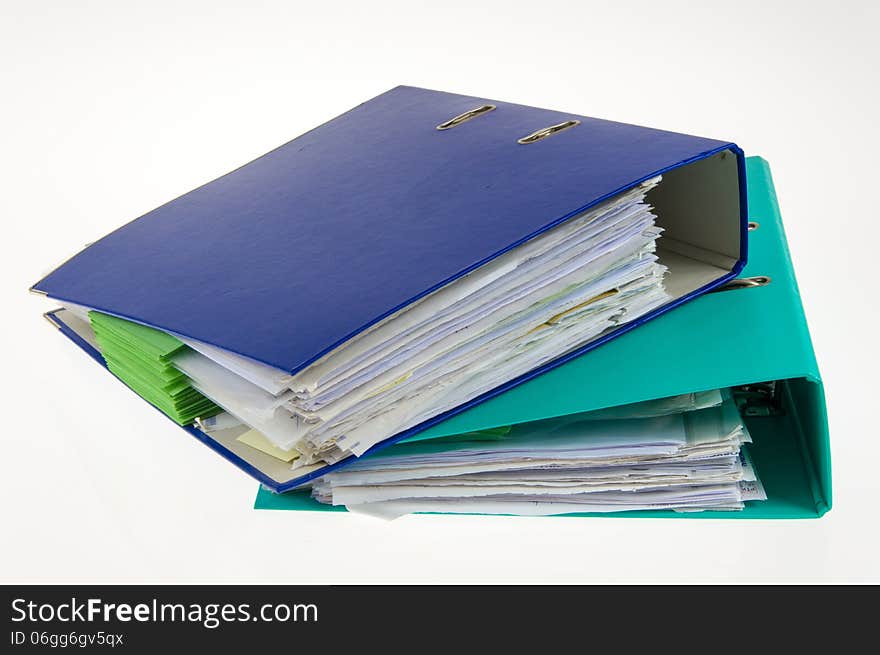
(803, 387)
(806, 399)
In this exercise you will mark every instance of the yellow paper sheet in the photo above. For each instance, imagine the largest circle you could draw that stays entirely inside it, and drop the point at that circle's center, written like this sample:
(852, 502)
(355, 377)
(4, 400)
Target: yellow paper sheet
(256, 440)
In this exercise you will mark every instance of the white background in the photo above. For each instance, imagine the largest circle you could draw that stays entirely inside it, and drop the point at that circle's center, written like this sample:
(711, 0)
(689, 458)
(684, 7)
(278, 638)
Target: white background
(108, 109)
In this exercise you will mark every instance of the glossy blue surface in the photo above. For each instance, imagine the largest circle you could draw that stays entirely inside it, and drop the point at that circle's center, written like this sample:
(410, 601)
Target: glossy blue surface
(293, 253)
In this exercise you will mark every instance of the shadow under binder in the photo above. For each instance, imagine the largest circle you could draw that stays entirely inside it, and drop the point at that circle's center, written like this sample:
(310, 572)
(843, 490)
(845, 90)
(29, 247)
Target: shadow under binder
(753, 336)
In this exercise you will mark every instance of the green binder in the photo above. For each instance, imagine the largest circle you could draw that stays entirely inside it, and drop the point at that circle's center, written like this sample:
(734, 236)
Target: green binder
(752, 335)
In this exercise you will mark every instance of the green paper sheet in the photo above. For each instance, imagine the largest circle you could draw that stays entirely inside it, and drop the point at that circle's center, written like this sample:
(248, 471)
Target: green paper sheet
(142, 358)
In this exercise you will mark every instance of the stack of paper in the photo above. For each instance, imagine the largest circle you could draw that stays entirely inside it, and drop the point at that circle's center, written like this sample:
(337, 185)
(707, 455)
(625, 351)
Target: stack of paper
(683, 453)
(523, 309)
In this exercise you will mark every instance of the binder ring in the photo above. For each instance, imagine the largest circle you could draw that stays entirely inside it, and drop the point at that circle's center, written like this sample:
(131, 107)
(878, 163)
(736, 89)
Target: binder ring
(48, 317)
(753, 225)
(466, 116)
(744, 283)
(548, 131)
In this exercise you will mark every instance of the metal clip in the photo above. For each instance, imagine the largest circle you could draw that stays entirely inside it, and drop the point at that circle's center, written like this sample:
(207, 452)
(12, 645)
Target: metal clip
(744, 283)
(49, 317)
(548, 131)
(466, 116)
(758, 399)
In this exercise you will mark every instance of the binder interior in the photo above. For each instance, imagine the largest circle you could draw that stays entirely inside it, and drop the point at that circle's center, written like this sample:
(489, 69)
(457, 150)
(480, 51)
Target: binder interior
(698, 207)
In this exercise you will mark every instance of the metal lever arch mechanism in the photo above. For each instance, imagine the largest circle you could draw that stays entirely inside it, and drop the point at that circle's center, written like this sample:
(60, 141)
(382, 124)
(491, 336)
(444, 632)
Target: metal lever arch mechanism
(548, 131)
(537, 135)
(744, 283)
(465, 117)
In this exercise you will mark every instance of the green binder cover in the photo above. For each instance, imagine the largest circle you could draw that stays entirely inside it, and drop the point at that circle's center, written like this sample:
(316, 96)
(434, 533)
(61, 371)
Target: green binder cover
(753, 333)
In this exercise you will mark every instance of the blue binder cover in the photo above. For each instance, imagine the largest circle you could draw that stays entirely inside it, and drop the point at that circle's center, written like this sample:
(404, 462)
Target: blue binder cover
(294, 253)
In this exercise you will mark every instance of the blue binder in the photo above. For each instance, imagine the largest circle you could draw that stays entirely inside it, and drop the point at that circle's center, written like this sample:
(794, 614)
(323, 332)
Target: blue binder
(305, 247)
